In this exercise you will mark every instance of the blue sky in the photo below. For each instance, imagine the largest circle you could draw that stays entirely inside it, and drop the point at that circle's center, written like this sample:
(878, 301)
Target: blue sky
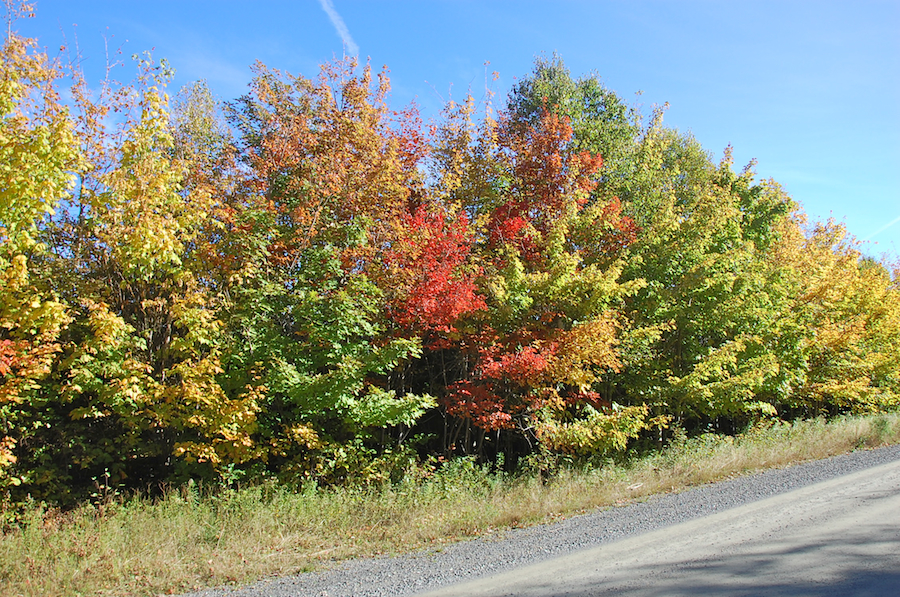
(811, 89)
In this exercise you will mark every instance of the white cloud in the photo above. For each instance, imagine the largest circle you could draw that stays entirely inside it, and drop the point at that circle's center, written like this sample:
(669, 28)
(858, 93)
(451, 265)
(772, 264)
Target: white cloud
(340, 26)
(220, 73)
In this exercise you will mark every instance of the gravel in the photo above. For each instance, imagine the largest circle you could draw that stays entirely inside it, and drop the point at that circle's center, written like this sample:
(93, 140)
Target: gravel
(427, 570)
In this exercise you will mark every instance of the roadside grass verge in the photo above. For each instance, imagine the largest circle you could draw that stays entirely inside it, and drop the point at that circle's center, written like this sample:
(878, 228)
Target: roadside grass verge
(189, 539)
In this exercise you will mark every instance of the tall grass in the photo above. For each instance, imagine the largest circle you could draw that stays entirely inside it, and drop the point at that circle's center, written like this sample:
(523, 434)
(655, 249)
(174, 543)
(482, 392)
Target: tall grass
(190, 539)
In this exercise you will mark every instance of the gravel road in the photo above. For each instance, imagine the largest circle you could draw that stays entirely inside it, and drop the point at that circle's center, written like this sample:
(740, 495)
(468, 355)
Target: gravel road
(428, 571)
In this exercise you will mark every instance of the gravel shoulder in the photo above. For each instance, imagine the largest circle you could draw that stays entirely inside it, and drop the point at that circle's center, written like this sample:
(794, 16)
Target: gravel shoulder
(430, 570)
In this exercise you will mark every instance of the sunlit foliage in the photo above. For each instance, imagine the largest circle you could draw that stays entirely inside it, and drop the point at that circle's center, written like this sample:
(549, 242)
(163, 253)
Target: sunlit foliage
(306, 283)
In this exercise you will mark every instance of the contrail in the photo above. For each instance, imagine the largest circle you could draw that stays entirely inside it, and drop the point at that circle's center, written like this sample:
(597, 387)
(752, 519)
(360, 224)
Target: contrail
(883, 228)
(340, 26)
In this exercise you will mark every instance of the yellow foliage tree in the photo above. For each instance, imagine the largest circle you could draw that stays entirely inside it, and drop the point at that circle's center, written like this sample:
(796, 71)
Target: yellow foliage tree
(38, 155)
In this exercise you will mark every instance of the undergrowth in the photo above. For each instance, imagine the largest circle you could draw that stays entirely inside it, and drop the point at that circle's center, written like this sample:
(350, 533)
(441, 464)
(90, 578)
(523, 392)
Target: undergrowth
(193, 537)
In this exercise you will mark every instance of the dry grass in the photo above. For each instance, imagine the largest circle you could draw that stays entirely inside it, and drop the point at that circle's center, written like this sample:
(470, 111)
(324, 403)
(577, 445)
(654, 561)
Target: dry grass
(187, 541)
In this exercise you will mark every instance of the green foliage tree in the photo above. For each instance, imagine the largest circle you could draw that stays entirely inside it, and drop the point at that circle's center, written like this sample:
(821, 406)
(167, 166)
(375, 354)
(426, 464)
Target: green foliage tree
(601, 122)
(327, 186)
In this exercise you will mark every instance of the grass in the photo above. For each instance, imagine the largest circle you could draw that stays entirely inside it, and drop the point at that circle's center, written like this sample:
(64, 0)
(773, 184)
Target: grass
(188, 540)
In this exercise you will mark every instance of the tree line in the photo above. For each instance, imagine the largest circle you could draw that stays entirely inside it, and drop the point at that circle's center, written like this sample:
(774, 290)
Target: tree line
(309, 284)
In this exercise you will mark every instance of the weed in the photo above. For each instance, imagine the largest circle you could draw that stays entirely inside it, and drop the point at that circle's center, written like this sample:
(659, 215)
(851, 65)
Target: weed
(192, 537)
